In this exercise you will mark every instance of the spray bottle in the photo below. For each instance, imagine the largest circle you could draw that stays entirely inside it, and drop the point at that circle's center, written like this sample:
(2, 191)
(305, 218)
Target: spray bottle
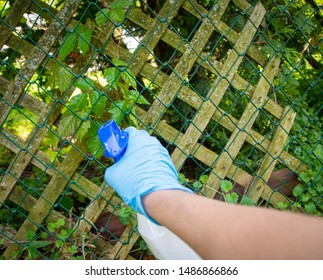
(163, 243)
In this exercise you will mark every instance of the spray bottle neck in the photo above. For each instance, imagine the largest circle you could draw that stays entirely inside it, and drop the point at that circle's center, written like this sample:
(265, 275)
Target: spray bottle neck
(114, 140)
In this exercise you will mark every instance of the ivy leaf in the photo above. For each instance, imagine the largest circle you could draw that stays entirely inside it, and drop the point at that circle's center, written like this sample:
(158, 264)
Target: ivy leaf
(112, 76)
(226, 186)
(134, 97)
(231, 197)
(129, 79)
(64, 79)
(68, 45)
(78, 102)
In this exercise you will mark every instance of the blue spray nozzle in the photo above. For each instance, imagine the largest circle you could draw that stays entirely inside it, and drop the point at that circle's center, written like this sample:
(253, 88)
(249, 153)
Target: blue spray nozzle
(114, 140)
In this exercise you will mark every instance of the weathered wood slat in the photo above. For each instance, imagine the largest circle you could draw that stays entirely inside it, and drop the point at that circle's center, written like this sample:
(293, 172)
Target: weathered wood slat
(157, 29)
(11, 19)
(206, 111)
(243, 127)
(274, 150)
(48, 198)
(178, 76)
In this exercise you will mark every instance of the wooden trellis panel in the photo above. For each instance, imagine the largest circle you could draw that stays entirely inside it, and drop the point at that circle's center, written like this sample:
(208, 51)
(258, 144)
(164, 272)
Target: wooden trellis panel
(171, 87)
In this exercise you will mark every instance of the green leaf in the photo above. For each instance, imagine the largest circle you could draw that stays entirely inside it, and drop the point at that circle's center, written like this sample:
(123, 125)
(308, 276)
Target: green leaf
(30, 234)
(118, 62)
(245, 200)
(67, 125)
(204, 178)
(73, 249)
(310, 208)
(231, 197)
(63, 234)
(182, 178)
(116, 14)
(305, 197)
(98, 103)
(44, 235)
(120, 4)
(298, 190)
(58, 243)
(196, 185)
(39, 244)
(226, 186)
(83, 130)
(54, 225)
(112, 76)
(134, 97)
(142, 245)
(101, 16)
(78, 102)
(68, 45)
(305, 177)
(66, 202)
(118, 110)
(84, 84)
(64, 79)
(124, 215)
(82, 41)
(129, 79)
(282, 205)
(94, 146)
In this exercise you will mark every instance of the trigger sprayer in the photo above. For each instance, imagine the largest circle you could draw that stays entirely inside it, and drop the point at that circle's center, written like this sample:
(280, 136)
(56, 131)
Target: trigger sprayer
(164, 244)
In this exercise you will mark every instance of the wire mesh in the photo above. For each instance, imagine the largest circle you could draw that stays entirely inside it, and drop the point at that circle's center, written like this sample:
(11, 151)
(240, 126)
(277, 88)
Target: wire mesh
(233, 89)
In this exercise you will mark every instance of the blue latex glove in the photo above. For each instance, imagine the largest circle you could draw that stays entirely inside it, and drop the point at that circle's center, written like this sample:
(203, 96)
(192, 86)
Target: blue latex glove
(145, 167)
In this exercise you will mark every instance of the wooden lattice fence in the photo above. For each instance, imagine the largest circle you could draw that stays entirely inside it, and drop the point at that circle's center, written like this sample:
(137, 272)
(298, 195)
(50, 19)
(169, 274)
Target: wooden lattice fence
(186, 144)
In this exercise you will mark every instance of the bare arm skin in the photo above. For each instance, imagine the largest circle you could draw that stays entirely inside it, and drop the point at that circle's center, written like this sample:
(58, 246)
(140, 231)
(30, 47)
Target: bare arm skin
(218, 230)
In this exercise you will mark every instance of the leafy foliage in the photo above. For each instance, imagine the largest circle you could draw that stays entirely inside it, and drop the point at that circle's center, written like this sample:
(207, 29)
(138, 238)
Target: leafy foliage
(115, 12)
(126, 215)
(292, 30)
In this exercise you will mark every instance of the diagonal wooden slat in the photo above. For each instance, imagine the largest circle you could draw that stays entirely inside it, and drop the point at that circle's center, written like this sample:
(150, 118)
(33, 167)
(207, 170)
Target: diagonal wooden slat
(243, 128)
(216, 93)
(11, 19)
(157, 29)
(47, 200)
(178, 76)
(274, 150)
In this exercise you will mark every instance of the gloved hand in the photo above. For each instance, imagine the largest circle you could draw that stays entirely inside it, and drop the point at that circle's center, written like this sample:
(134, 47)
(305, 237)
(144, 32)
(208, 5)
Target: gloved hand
(145, 167)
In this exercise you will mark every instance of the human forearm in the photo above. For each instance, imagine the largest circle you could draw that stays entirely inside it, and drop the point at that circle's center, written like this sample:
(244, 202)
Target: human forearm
(218, 230)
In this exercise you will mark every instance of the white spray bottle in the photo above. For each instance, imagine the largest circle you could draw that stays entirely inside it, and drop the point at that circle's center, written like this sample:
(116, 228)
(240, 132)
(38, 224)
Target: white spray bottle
(163, 243)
